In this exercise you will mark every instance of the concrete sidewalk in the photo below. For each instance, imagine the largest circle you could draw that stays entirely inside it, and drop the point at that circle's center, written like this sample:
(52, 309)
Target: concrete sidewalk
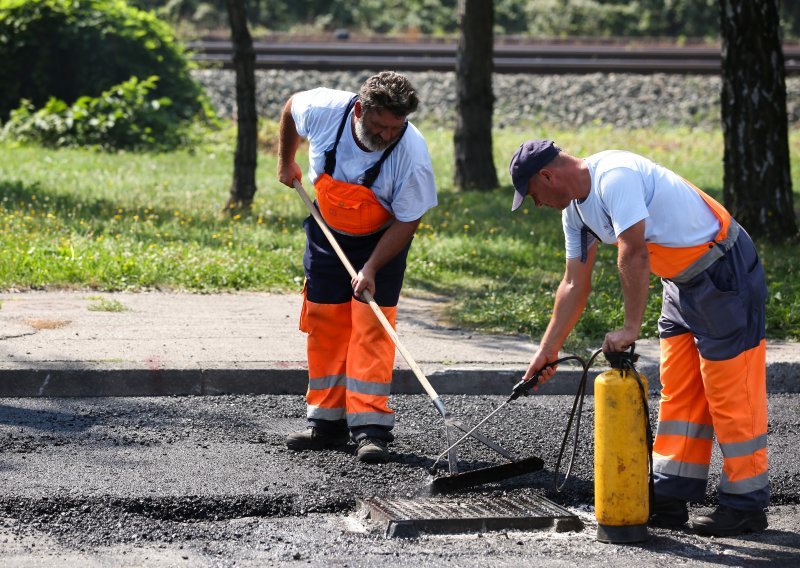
(61, 344)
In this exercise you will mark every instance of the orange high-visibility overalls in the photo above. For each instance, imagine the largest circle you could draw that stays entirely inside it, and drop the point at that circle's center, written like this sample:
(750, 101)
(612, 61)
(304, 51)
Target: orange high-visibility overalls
(350, 355)
(713, 367)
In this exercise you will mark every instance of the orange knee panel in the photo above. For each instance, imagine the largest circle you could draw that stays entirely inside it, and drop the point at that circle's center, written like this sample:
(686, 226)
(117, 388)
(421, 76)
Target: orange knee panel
(736, 390)
(737, 394)
(684, 429)
(370, 354)
(328, 329)
(682, 395)
(370, 360)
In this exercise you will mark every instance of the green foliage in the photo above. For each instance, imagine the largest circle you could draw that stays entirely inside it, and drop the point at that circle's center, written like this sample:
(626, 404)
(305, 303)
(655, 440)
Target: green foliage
(106, 305)
(67, 49)
(126, 117)
(540, 18)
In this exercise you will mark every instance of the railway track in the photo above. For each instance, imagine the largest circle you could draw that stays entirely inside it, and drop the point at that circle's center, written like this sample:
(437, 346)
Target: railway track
(544, 59)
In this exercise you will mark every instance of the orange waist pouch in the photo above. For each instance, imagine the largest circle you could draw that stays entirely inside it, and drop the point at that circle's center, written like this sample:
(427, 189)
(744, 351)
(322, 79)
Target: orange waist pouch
(350, 208)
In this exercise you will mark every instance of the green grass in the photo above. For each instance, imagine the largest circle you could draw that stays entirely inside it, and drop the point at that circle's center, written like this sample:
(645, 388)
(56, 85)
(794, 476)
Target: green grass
(106, 305)
(83, 219)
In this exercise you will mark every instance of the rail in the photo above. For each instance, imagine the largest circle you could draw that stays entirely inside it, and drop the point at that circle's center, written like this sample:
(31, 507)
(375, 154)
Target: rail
(543, 59)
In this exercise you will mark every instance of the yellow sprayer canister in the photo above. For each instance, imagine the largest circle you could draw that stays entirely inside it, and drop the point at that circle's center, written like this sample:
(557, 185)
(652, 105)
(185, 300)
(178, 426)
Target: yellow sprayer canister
(621, 496)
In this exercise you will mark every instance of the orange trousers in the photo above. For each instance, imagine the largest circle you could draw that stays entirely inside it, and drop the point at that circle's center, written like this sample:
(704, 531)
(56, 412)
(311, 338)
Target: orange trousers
(350, 361)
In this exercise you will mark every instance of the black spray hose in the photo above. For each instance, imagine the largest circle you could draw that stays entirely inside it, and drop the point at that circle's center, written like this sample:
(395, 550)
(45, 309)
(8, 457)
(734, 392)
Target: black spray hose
(623, 360)
(577, 407)
(577, 404)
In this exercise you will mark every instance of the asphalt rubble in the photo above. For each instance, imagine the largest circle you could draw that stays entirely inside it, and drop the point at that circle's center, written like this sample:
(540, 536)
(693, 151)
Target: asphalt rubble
(111, 457)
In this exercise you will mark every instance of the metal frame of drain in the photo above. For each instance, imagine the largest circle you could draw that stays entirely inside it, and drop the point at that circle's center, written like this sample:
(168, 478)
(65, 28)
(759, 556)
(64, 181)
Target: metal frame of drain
(408, 518)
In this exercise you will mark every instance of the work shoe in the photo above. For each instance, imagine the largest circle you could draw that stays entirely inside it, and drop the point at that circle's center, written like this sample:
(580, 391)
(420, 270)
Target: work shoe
(725, 521)
(372, 450)
(315, 439)
(668, 513)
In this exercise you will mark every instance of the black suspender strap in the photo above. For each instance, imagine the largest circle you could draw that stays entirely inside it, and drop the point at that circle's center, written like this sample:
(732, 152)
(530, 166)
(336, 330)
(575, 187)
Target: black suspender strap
(585, 230)
(330, 155)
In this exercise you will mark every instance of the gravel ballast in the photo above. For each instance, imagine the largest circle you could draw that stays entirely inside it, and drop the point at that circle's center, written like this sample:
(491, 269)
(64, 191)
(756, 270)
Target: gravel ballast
(614, 99)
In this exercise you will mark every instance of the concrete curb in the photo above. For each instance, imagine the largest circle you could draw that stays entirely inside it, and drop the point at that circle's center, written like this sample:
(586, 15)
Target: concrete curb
(82, 382)
(162, 344)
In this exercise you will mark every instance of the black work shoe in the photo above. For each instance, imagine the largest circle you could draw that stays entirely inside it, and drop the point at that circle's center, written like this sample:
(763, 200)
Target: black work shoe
(668, 513)
(315, 439)
(725, 521)
(372, 450)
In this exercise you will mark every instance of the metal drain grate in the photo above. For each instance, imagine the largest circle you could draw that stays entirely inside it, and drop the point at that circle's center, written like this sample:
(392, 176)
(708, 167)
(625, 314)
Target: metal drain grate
(408, 517)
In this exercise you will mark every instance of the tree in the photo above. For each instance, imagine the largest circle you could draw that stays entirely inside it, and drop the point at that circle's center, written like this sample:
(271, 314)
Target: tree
(68, 49)
(474, 165)
(757, 183)
(243, 187)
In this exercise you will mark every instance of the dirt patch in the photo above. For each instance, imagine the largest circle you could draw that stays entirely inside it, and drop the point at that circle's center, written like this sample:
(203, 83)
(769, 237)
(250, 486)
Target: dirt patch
(47, 323)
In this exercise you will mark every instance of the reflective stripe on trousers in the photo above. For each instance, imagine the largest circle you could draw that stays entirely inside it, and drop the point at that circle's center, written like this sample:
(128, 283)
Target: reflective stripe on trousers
(713, 372)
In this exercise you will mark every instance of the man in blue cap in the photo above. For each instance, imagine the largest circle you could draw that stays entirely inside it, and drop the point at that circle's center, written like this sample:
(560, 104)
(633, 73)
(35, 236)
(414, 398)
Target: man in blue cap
(712, 324)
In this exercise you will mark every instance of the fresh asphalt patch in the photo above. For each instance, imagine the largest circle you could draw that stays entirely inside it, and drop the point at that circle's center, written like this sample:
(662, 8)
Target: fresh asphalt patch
(208, 481)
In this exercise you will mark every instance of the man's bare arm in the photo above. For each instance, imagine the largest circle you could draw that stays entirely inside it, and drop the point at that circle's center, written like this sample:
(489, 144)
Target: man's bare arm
(288, 142)
(633, 262)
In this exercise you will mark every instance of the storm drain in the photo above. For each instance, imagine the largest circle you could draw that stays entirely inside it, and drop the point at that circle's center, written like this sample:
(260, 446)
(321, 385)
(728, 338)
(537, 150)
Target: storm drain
(406, 518)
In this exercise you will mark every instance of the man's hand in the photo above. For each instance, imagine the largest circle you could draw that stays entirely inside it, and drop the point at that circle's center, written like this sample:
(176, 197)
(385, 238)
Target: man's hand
(390, 244)
(619, 340)
(287, 173)
(540, 362)
(364, 280)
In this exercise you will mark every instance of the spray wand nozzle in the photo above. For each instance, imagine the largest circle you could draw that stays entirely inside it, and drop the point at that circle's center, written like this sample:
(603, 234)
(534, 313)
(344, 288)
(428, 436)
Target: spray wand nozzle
(524, 386)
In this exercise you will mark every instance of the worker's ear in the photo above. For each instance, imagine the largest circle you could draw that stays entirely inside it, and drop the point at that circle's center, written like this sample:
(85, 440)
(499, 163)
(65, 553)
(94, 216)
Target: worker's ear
(546, 174)
(357, 110)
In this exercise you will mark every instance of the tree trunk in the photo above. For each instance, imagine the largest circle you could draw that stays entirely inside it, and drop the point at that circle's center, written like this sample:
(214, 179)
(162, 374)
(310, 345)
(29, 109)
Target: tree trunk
(757, 184)
(243, 187)
(474, 167)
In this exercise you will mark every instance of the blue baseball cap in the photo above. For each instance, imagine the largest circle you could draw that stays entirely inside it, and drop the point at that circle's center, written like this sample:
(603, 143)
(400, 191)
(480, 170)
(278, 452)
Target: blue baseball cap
(531, 157)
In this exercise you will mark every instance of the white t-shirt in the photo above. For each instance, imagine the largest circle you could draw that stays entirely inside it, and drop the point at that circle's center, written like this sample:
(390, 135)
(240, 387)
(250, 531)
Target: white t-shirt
(627, 188)
(405, 185)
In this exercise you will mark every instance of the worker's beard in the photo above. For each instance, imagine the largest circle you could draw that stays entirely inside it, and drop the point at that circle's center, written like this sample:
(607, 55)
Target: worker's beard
(373, 142)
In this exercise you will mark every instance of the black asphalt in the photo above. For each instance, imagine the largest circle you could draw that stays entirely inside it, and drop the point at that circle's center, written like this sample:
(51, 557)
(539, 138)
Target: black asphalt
(171, 478)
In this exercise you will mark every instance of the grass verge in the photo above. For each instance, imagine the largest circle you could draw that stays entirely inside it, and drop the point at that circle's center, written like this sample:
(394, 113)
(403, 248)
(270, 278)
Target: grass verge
(83, 219)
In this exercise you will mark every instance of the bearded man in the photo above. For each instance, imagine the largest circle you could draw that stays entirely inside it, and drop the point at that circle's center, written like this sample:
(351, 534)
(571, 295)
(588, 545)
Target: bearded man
(373, 179)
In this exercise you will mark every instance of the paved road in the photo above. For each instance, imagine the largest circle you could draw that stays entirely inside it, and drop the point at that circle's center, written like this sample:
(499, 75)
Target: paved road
(206, 481)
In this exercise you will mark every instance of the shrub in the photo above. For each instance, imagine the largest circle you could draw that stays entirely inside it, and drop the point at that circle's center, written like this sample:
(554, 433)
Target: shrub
(126, 116)
(72, 48)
